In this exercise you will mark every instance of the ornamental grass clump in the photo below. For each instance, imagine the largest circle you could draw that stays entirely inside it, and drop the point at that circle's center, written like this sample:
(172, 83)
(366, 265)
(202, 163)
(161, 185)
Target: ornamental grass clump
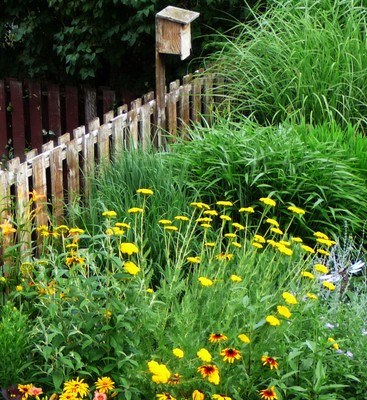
(238, 295)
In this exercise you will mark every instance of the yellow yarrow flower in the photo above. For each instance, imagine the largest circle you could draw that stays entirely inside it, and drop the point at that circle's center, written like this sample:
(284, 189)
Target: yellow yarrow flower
(329, 285)
(181, 218)
(289, 298)
(257, 245)
(230, 235)
(323, 269)
(128, 248)
(213, 213)
(194, 260)
(326, 242)
(249, 210)
(131, 268)
(147, 192)
(284, 311)
(277, 230)
(205, 281)
(274, 321)
(321, 235)
(308, 249)
(268, 201)
(225, 217)
(235, 278)
(160, 372)
(296, 210)
(259, 238)
(307, 274)
(238, 226)
(297, 239)
(224, 203)
(323, 252)
(272, 222)
(171, 228)
(311, 296)
(135, 210)
(165, 221)
(109, 214)
(200, 205)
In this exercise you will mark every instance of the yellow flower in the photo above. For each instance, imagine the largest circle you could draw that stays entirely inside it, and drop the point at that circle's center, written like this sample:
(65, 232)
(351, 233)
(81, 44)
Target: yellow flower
(230, 235)
(147, 192)
(224, 203)
(334, 343)
(297, 239)
(220, 397)
(230, 355)
(206, 226)
(194, 260)
(259, 238)
(284, 242)
(307, 274)
(238, 226)
(276, 230)
(109, 232)
(76, 387)
(19, 288)
(311, 296)
(76, 231)
(224, 256)
(323, 252)
(289, 298)
(198, 395)
(244, 338)
(236, 244)
(204, 219)
(181, 218)
(272, 222)
(164, 396)
(323, 269)
(204, 355)
(209, 244)
(128, 248)
(225, 218)
(200, 205)
(271, 361)
(257, 245)
(122, 225)
(284, 249)
(308, 249)
(135, 210)
(217, 337)
(178, 353)
(170, 228)
(165, 221)
(284, 311)
(274, 321)
(235, 278)
(328, 285)
(268, 201)
(109, 214)
(131, 268)
(118, 231)
(249, 210)
(61, 229)
(160, 372)
(205, 281)
(150, 290)
(326, 242)
(104, 384)
(296, 210)
(213, 213)
(211, 372)
(321, 235)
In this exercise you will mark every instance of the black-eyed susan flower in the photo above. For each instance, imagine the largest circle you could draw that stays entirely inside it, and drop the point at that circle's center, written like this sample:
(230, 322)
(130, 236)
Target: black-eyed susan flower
(128, 248)
(204, 355)
(164, 396)
(210, 372)
(205, 281)
(307, 274)
(104, 384)
(273, 321)
(147, 192)
(76, 387)
(268, 394)
(131, 268)
(249, 210)
(323, 269)
(244, 338)
(175, 379)
(109, 214)
(296, 210)
(68, 396)
(198, 395)
(270, 361)
(178, 353)
(230, 355)
(24, 389)
(160, 373)
(268, 201)
(284, 311)
(329, 285)
(235, 278)
(289, 298)
(217, 337)
(220, 397)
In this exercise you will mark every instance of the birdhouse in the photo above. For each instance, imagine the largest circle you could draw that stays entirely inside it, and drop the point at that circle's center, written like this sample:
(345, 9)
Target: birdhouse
(173, 31)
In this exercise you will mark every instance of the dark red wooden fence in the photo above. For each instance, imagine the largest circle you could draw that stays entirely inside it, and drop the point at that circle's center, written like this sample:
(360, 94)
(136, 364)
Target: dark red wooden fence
(33, 113)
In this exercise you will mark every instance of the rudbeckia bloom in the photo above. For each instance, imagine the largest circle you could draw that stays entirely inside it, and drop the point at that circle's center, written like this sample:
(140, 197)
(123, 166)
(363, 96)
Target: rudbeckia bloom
(328, 285)
(274, 321)
(289, 298)
(230, 354)
(198, 395)
(268, 394)
(164, 396)
(175, 379)
(268, 201)
(204, 355)
(178, 353)
(131, 268)
(220, 397)
(105, 384)
(24, 389)
(244, 338)
(76, 387)
(211, 372)
(217, 337)
(284, 311)
(68, 396)
(205, 281)
(272, 362)
(147, 192)
(128, 248)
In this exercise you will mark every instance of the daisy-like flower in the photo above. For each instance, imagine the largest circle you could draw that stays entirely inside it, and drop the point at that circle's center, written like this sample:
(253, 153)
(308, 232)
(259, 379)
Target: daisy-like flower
(296, 210)
(272, 222)
(238, 226)
(160, 372)
(273, 321)
(198, 395)
(268, 201)
(131, 268)
(235, 278)
(109, 214)
(249, 210)
(165, 221)
(175, 379)
(211, 372)
(204, 355)
(128, 248)
(178, 353)
(329, 285)
(181, 218)
(24, 389)
(224, 203)
(76, 387)
(230, 355)
(220, 397)
(271, 361)
(321, 235)
(104, 384)
(205, 281)
(297, 239)
(135, 210)
(164, 396)
(289, 298)
(244, 338)
(307, 249)
(200, 205)
(68, 396)
(99, 396)
(217, 337)
(323, 269)
(194, 260)
(307, 274)
(333, 343)
(311, 296)
(268, 394)
(147, 192)
(284, 311)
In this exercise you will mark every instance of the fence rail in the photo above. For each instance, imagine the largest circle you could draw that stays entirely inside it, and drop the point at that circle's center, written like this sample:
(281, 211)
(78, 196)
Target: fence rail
(57, 173)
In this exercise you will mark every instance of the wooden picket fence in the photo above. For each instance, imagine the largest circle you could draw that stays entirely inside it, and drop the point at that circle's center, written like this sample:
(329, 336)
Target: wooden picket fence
(41, 188)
